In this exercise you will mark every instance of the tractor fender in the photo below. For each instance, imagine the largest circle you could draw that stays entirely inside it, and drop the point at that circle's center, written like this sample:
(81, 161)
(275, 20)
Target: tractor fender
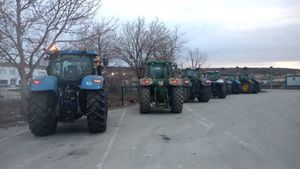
(45, 83)
(92, 82)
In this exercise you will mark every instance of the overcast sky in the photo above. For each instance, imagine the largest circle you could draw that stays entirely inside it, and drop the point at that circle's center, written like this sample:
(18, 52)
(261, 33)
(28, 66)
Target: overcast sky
(231, 32)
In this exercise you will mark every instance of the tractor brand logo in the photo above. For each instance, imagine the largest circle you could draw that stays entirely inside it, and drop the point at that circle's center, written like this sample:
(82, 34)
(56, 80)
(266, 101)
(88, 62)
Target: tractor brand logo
(160, 83)
(88, 83)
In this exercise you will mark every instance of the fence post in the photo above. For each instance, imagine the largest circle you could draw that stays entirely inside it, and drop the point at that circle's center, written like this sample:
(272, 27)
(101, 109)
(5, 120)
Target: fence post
(122, 88)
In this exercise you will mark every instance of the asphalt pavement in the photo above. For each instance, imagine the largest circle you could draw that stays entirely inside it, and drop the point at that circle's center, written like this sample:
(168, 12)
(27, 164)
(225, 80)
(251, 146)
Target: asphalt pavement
(252, 131)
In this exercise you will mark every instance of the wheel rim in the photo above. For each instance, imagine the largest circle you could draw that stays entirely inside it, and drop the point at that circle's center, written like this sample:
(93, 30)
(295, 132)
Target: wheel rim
(245, 87)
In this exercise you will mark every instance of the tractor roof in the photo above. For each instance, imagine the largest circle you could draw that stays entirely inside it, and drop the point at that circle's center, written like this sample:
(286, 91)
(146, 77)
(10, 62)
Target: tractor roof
(160, 62)
(74, 52)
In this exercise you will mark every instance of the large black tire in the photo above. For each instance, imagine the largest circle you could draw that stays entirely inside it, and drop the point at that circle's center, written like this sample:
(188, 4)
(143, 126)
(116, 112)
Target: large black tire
(144, 98)
(228, 89)
(237, 89)
(222, 93)
(177, 100)
(205, 95)
(192, 96)
(41, 115)
(96, 111)
(187, 94)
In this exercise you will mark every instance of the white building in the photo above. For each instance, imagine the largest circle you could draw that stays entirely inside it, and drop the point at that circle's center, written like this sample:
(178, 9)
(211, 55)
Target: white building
(9, 75)
(292, 81)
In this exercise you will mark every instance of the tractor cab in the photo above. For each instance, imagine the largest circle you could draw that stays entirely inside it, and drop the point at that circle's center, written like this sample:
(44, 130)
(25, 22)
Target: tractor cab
(230, 77)
(212, 75)
(160, 69)
(191, 73)
(245, 76)
(71, 66)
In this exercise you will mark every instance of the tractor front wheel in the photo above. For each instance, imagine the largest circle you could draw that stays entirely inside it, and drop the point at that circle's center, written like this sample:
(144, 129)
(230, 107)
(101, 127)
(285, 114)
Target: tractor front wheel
(41, 113)
(223, 90)
(177, 100)
(204, 96)
(144, 97)
(96, 111)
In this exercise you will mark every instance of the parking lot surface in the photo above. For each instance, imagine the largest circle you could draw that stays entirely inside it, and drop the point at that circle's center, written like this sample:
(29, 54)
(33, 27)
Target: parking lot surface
(254, 131)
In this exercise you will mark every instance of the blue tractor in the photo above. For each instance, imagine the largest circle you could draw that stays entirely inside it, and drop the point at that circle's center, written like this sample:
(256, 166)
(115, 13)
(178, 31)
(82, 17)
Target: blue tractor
(218, 85)
(72, 88)
(235, 84)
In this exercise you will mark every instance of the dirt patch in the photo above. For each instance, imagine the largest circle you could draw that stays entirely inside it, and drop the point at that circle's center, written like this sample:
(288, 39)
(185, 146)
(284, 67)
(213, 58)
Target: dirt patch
(10, 113)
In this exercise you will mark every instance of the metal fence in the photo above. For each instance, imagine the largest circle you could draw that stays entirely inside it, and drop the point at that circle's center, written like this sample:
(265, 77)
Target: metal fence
(129, 93)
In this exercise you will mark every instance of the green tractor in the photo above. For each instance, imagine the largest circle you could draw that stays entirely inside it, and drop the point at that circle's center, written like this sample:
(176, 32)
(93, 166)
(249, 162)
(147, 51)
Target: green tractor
(161, 88)
(249, 84)
(195, 85)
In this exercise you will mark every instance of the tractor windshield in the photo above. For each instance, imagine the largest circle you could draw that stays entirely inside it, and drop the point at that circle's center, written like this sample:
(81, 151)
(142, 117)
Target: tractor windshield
(244, 76)
(230, 77)
(71, 67)
(191, 74)
(158, 71)
(212, 76)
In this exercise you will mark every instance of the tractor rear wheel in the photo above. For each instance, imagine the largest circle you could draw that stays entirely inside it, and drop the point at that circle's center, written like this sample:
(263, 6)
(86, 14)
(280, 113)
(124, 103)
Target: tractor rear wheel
(204, 96)
(187, 94)
(247, 87)
(96, 111)
(177, 99)
(223, 90)
(144, 96)
(41, 113)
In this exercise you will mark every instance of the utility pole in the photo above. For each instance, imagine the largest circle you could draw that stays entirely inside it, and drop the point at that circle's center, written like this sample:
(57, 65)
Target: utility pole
(271, 78)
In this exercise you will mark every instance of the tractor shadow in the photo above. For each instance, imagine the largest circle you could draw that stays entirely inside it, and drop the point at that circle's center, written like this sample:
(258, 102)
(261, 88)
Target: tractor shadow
(192, 101)
(159, 111)
(78, 127)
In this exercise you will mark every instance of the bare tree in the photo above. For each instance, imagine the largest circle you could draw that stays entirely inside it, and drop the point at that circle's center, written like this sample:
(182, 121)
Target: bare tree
(99, 36)
(138, 42)
(170, 46)
(29, 26)
(195, 58)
